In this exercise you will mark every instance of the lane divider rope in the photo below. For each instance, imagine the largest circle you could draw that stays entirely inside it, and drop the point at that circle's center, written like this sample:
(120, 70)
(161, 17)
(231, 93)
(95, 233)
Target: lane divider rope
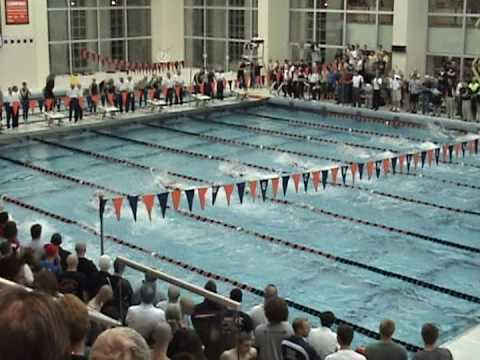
(199, 271)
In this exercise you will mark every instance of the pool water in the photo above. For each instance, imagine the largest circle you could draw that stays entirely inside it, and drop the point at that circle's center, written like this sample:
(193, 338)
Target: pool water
(357, 295)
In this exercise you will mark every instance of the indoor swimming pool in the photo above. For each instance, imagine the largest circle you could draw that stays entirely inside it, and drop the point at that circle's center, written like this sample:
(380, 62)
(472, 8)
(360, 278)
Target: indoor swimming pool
(403, 247)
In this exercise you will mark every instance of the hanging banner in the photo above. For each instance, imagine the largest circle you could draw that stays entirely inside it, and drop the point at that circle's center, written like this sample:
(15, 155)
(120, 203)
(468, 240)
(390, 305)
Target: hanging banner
(16, 12)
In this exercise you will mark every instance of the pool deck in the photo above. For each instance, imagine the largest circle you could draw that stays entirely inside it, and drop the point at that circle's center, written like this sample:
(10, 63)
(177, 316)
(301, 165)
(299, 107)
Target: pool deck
(464, 347)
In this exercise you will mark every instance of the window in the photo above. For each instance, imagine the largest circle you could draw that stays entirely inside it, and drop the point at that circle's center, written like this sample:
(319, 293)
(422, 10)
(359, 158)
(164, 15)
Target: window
(446, 6)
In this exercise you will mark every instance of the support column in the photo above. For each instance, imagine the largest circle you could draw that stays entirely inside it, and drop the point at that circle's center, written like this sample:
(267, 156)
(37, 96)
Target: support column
(410, 30)
(274, 28)
(167, 30)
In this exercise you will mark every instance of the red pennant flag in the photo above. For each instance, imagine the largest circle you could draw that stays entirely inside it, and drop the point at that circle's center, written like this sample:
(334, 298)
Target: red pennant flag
(96, 99)
(66, 101)
(202, 196)
(253, 189)
(401, 161)
(296, 181)
(316, 179)
(228, 192)
(15, 107)
(445, 152)
(458, 148)
(430, 157)
(416, 159)
(49, 104)
(148, 200)
(354, 169)
(386, 166)
(370, 168)
(117, 204)
(110, 99)
(176, 199)
(32, 104)
(334, 172)
(275, 184)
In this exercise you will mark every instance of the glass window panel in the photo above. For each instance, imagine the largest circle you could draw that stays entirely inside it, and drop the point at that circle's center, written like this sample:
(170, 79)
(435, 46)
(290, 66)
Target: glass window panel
(370, 5)
(80, 65)
(446, 6)
(83, 24)
(140, 51)
(239, 24)
(329, 28)
(112, 24)
(193, 2)
(111, 3)
(238, 3)
(362, 30)
(467, 69)
(301, 4)
(386, 5)
(216, 54)
(235, 53)
(216, 3)
(194, 24)
(216, 23)
(57, 4)
(138, 2)
(331, 4)
(473, 7)
(473, 37)
(385, 31)
(59, 59)
(301, 27)
(445, 34)
(436, 63)
(83, 3)
(139, 22)
(114, 49)
(57, 25)
(194, 52)
(255, 23)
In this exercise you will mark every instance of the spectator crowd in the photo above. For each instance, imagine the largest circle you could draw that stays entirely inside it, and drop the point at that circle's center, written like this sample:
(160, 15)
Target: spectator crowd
(52, 321)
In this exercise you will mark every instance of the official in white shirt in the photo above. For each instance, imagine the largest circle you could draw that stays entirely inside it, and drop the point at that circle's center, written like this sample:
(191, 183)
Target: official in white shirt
(144, 317)
(323, 339)
(396, 87)
(357, 84)
(73, 95)
(257, 313)
(170, 84)
(377, 86)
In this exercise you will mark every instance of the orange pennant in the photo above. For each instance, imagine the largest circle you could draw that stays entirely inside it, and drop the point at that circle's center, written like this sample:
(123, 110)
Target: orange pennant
(49, 104)
(275, 183)
(354, 169)
(334, 173)
(416, 159)
(176, 199)
(296, 181)
(202, 195)
(430, 157)
(148, 201)
(370, 169)
(66, 101)
(228, 192)
(117, 204)
(165, 91)
(32, 104)
(386, 166)
(151, 94)
(316, 179)
(96, 99)
(253, 189)
(401, 160)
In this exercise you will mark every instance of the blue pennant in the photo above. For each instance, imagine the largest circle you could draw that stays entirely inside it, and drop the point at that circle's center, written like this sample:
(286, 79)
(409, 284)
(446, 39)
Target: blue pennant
(464, 146)
(306, 178)
(409, 162)
(437, 155)
(450, 152)
(324, 178)
(163, 202)
(263, 188)
(476, 145)
(241, 191)
(394, 165)
(133, 201)
(102, 202)
(344, 170)
(360, 170)
(378, 168)
(190, 194)
(285, 180)
(215, 189)
(423, 156)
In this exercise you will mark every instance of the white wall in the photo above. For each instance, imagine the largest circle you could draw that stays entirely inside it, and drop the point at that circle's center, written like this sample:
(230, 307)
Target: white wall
(25, 61)
(274, 28)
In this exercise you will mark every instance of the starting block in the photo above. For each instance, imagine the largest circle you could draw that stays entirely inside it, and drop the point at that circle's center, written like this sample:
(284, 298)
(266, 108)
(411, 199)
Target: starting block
(201, 100)
(108, 110)
(50, 117)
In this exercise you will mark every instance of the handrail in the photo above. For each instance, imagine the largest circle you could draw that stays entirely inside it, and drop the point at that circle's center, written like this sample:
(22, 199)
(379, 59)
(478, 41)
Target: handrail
(94, 315)
(219, 299)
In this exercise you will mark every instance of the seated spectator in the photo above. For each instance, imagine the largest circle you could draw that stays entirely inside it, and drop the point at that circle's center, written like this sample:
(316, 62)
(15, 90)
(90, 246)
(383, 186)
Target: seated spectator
(431, 351)
(386, 348)
(104, 295)
(46, 282)
(12, 268)
(345, 338)
(207, 322)
(187, 306)
(323, 339)
(120, 343)
(145, 316)
(186, 341)
(173, 295)
(62, 253)
(3, 223)
(103, 275)
(235, 322)
(86, 267)
(257, 313)
(122, 293)
(152, 281)
(32, 327)
(36, 244)
(30, 266)
(243, 349)
(10, 233)
(173, 316)
(5, 249)
(51, 261)
(296, 347)
(77, 321)
(71, 281)
(161, 337)
(269, 337)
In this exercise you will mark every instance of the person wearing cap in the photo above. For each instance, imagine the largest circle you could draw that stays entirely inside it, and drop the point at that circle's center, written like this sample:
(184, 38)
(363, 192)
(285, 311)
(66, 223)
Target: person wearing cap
(323, 339)
(62, 253)
(51, 261)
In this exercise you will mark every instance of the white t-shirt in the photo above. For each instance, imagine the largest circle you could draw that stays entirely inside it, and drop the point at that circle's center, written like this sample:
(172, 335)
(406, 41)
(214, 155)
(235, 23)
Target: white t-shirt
(395, 84)
(73, 93)
(357, 81)
(323, 340)
(258, 315)
(345, 355)
(377, 83)
(143, 318)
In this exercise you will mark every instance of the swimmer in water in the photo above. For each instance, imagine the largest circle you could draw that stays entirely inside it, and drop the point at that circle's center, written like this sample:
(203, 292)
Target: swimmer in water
(298, 165)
